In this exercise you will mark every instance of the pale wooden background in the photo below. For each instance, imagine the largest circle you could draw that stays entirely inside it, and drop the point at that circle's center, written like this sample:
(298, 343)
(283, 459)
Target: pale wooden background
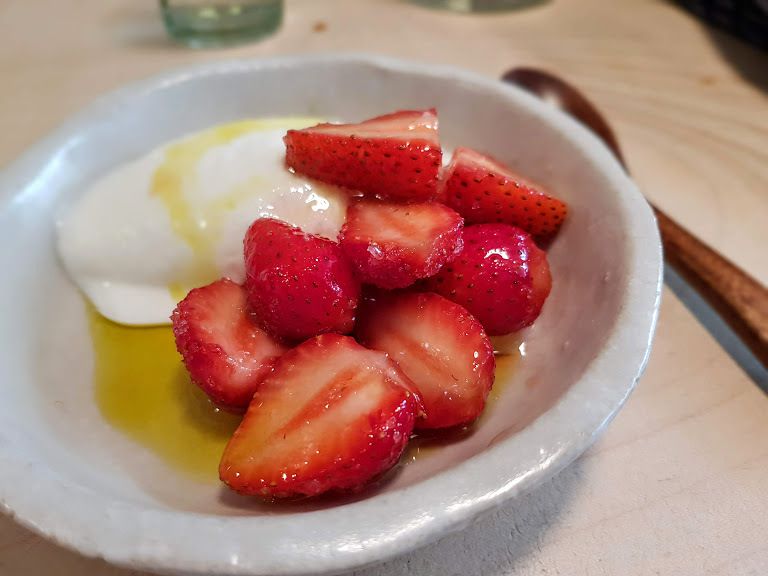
(677, 485)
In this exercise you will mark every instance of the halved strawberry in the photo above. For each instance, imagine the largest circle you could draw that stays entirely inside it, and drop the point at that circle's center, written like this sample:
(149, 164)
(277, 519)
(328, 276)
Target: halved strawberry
(440, 346)
(483, 190)
(500, 276)
(393, 245)
(396, 156)
(299, 285)
(224, 350)
(332, 416)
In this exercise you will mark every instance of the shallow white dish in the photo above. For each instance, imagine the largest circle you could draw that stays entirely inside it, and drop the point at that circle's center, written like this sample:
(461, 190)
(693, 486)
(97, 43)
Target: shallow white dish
(65, 473)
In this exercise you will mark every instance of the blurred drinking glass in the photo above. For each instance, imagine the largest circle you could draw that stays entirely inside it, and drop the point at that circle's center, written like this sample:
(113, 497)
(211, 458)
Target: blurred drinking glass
(477, 5)
(209, 23)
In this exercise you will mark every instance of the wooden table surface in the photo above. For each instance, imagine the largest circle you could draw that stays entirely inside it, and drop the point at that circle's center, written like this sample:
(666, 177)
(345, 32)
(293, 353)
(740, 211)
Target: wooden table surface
(679, 482)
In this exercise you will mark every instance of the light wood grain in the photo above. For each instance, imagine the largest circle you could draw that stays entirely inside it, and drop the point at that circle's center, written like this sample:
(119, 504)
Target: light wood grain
(677, 483)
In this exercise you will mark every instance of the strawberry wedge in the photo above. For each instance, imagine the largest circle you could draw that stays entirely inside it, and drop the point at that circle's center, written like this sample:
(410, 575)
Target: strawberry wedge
(394, 245)
(483, 190)
(332, 416)
(395, 157)
(224, 350)
(299, 285)
(501, 276)
(440, 347)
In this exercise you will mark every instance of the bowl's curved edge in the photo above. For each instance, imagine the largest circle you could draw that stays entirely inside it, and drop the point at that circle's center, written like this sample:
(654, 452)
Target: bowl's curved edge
(142, 546)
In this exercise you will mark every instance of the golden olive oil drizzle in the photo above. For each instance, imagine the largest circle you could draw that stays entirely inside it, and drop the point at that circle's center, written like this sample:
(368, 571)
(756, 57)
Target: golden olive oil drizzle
(178, 291)
(505, 367)
(175, 181)
(143, 390)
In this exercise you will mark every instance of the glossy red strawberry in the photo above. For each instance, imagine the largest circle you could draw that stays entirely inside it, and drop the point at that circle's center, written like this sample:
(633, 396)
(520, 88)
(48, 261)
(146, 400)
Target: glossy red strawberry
(440, 346)
(396, 156)
(483, 190)
(331, 416)
(299, 285)
(224, 350)
(500, 276)
(393, 245)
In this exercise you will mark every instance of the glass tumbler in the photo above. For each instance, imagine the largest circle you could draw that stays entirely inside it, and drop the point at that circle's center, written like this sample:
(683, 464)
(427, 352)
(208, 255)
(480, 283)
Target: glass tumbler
(210, 23)
(477, 5)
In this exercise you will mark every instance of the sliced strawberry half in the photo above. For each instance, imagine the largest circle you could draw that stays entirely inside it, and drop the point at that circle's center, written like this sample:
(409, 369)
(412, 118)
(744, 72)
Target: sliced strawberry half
(331, 417)
(299, 285)
(483, 190)
(224, 350)
(396, 156)
(440, 346)
(500, 276)
(393, 245)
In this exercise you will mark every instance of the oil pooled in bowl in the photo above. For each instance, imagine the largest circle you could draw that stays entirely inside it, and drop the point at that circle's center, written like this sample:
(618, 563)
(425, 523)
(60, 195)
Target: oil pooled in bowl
(143, 390)
(422, 446)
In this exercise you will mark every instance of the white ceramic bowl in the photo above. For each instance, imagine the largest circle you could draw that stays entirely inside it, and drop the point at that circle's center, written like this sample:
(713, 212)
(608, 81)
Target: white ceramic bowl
(66, 474)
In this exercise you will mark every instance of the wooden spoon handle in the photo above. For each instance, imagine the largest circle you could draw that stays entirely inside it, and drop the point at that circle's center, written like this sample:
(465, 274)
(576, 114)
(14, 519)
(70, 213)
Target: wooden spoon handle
(739, 299)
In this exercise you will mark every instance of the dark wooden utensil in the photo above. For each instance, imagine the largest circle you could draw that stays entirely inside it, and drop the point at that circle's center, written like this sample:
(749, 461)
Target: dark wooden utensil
(739, 299)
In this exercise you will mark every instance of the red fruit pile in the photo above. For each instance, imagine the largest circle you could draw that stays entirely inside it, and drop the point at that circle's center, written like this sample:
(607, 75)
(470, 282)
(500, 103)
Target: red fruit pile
(328, 412)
